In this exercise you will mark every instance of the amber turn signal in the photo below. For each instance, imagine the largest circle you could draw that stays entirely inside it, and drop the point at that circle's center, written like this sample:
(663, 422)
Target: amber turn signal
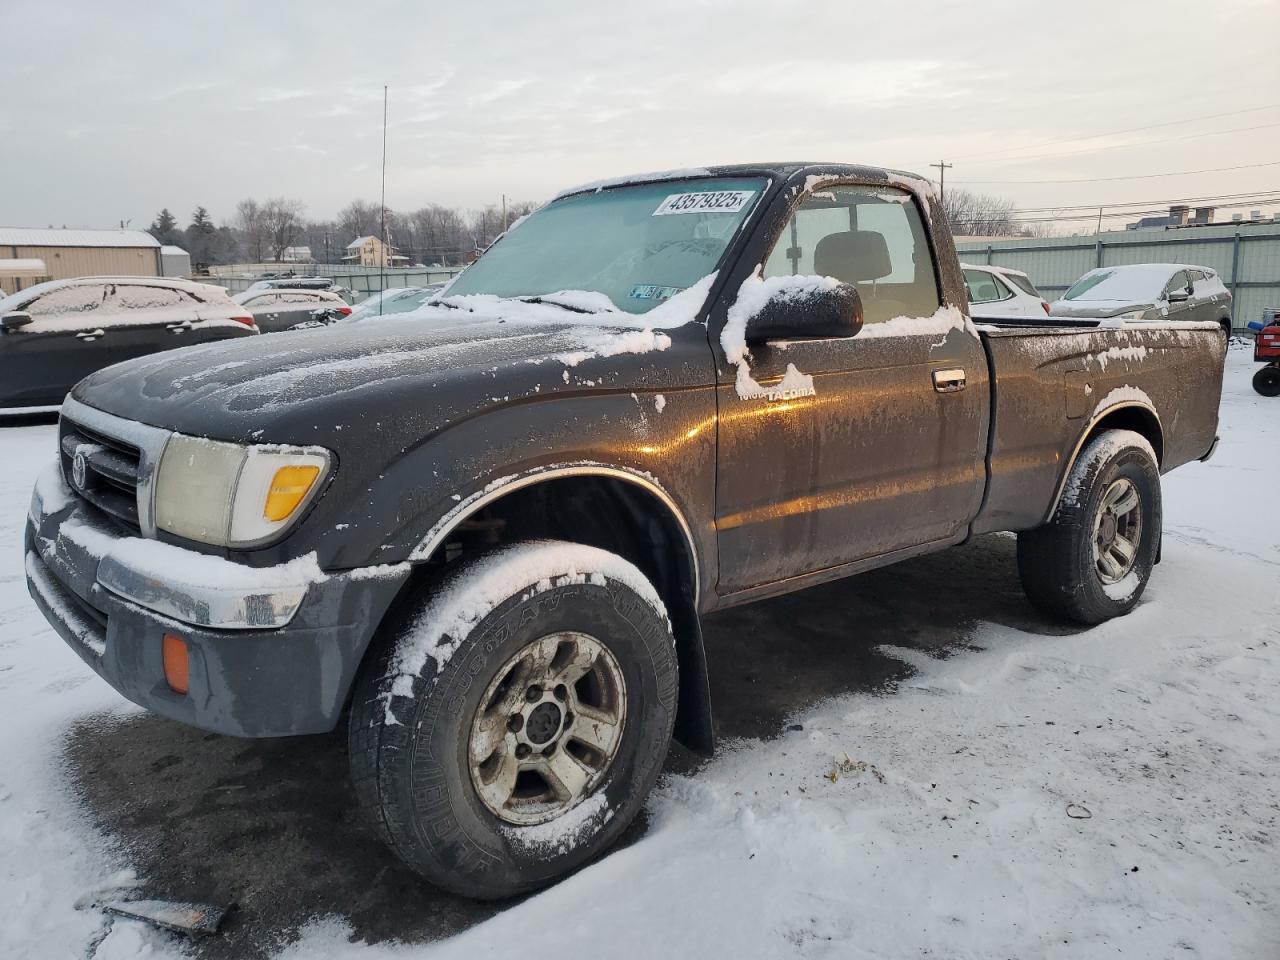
(176, 665)
(288, 488)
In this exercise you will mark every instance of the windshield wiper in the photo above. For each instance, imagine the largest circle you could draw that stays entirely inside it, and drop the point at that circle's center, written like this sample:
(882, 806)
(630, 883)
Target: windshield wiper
(554, 303)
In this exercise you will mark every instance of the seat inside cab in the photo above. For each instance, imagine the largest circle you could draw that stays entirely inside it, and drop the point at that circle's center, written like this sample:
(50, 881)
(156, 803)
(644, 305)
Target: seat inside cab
(872, 238)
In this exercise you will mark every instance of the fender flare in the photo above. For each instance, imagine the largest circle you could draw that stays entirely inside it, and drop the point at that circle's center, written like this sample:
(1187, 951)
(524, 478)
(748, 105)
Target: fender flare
(1088, 431)
(694, 723)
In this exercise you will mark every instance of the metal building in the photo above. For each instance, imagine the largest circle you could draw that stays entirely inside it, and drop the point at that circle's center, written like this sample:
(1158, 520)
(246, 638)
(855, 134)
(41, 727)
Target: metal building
(175, 262)
(80, 253)
(1246, 256)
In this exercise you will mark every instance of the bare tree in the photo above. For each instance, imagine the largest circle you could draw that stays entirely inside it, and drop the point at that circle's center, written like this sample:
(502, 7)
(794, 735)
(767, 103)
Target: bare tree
(437, 234)
(359, 219)
(281, 222)
(979, 214)
(252, 228)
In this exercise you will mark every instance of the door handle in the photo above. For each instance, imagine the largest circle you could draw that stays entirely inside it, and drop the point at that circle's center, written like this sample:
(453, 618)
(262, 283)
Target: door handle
(89, 335)
(951, 380)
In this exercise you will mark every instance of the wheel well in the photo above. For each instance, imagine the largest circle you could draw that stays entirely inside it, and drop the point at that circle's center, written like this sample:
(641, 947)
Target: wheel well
(625, 518)
(1140, 420)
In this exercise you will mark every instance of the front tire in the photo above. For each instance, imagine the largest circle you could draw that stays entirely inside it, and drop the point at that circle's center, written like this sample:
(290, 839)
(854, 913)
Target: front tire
(1092, 561)
(514, 721)
(1267, 381)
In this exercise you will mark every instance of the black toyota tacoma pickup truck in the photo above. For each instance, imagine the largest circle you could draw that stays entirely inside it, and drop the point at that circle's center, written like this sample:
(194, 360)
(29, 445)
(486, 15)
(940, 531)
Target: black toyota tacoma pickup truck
(484, 534)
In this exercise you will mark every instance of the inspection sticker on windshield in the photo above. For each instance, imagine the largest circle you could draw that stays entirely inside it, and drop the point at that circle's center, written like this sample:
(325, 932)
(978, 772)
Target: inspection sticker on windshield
(711, 201)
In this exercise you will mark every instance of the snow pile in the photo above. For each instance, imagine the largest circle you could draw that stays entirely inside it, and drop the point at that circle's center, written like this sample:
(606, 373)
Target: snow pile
(940, 323)
(535, 567)
(559, 835)
(606, 344)
(1120, 353)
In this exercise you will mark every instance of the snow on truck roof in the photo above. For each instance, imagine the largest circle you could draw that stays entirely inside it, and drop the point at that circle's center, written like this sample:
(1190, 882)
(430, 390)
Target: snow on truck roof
(779, 170)
(32, 237)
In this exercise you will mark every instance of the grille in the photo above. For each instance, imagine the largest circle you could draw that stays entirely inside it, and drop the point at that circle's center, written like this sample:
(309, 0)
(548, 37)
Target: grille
(112, 471)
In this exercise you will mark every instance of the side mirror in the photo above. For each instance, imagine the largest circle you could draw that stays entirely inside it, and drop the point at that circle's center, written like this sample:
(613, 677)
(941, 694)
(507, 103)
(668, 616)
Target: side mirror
(13, 321)
(807, 313)
(1179, 296)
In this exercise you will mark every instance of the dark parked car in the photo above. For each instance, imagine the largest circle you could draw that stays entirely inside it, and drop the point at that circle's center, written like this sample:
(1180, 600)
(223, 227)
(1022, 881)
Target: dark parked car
(280, 309)
(485, 533)
(55, 333)
(1144, 292)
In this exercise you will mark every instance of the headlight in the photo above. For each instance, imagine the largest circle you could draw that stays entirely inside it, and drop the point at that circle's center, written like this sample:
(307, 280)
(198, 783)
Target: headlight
(232, 495)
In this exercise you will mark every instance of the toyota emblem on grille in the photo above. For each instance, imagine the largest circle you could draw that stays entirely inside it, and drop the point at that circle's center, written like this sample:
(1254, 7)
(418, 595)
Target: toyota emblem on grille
(79, 468)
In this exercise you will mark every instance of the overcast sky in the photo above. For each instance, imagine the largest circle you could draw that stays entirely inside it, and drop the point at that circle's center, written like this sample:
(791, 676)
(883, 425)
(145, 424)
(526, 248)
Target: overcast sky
(113, 110)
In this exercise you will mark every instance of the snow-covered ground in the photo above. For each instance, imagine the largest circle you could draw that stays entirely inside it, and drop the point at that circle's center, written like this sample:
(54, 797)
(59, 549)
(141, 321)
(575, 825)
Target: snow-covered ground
(1110, 792)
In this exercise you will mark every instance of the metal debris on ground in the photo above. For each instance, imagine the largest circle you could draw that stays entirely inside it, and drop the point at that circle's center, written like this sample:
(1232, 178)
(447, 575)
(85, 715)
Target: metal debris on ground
(193, 919)
(844, 765)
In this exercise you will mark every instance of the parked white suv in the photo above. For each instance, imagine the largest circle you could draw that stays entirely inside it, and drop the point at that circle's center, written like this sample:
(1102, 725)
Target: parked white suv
(1001, 292)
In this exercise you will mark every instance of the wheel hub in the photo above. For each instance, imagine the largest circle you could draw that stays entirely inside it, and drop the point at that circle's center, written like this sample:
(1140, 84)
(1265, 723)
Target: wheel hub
(1117, 531)
(547, 728)
(543, 723)
(1107, 531)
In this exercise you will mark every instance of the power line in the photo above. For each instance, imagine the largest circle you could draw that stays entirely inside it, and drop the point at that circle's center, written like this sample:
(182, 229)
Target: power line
(1137, 143)
(1094, 215)
(1143, 176)
(1116, 133)
(1191, 201)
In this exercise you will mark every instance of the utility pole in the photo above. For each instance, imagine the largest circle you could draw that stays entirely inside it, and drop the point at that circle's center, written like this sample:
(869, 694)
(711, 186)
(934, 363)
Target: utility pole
(504, 213)
(382, 282)
(1099, 230)
(943, 167)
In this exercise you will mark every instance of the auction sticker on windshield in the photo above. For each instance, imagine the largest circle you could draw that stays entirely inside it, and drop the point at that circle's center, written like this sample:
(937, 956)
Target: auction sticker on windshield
(712, 201)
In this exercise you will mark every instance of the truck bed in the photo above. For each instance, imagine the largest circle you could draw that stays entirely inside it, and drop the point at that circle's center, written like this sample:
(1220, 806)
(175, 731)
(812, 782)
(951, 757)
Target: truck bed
(1051, 383)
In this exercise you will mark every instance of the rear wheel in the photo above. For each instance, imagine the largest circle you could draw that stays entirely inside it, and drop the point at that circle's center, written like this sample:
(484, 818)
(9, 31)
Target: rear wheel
(1092, 561)
(1267, 381)
(516, 718)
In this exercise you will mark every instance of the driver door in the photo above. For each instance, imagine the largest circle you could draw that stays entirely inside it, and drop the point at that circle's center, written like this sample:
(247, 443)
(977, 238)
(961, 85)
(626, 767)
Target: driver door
(884, 452)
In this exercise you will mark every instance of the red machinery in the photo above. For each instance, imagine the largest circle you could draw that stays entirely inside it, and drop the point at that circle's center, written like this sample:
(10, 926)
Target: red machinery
(1266, 349)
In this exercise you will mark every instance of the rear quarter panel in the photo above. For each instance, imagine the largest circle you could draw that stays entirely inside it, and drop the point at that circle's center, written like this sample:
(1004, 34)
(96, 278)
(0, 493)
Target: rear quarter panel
(1051, 386)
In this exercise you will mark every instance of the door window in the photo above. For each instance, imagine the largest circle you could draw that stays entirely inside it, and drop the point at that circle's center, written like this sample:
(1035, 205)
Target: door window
(983, 287)
(1023, 283)
(869, 237)
(1179, 281)
(140, 297)
(81, 298)
(67, 308)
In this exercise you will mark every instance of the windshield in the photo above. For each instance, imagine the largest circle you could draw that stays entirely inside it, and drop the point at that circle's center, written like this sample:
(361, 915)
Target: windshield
(1129, 285)
(399, 301)
(638, 245)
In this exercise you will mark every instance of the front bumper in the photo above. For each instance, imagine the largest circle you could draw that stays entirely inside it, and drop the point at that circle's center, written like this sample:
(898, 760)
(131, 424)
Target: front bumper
(272, 652)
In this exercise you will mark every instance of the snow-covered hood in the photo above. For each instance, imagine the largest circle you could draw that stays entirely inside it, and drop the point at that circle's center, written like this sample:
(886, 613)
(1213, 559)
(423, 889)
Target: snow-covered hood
(1096, 308)
(409, 374)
